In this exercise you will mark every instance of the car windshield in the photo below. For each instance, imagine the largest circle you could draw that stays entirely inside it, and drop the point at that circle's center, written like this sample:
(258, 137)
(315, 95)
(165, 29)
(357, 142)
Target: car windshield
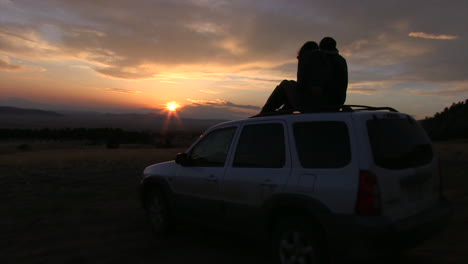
(399, 143)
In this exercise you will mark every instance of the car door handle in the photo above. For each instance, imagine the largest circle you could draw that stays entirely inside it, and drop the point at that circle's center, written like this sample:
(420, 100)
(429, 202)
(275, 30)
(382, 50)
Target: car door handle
(212, 178)
(268, 183)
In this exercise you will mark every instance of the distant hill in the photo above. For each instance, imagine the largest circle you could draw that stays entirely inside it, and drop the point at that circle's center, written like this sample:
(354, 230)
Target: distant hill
(21, 118)
(8, 110)
(451, 123)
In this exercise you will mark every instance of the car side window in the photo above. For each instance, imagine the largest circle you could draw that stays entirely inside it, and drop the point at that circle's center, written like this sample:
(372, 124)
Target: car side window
(213, 148)
(261, 146)
(322, 144)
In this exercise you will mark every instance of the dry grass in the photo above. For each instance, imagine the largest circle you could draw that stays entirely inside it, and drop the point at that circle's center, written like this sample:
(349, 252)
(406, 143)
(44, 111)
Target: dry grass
(80, 205)
(74, 205)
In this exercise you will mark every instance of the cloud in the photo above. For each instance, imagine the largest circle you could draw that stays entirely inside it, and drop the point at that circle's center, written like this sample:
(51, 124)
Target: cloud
(251, 107)
(363, 90)
(449, 90)
(208, 91)
(221, 103)
(217, 108)
(6, 65)
(239, 41)
(431, 36)
(114, 39)
(126, 72)
(79, 66)
(25, 42)
(122, 90)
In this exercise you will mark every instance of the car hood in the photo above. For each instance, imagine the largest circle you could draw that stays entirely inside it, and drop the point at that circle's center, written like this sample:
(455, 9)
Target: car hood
(160, 169)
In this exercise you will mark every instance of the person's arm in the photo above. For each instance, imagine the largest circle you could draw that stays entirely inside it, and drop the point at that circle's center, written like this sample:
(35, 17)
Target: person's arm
(343, 80)
(301, 71)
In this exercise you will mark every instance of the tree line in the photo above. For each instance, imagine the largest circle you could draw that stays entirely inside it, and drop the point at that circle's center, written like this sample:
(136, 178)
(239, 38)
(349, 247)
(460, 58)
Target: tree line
(90, 134)
(112, 137)
(451, 123)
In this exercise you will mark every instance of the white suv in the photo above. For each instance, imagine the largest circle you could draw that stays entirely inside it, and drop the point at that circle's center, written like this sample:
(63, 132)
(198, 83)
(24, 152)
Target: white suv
(349, 184)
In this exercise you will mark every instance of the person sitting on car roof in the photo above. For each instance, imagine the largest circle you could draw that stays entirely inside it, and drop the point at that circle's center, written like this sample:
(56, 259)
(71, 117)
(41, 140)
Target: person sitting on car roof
(322, 80)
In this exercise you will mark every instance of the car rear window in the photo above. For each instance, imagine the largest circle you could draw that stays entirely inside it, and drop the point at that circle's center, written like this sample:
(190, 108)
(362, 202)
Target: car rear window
(399, 143)
(323, 144)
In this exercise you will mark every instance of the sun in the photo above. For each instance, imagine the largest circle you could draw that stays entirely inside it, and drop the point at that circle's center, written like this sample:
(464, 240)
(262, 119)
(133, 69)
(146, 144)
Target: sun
(172, 106)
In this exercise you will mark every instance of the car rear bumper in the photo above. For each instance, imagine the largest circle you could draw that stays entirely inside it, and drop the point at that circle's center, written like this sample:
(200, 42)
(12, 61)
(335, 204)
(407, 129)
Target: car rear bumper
(358, 237)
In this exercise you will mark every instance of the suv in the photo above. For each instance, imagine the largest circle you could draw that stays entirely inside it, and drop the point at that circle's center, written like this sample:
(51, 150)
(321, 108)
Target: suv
(348, 184)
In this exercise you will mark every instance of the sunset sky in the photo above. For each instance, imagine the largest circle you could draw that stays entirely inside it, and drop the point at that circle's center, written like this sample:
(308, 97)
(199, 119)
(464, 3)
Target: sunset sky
(221, 59)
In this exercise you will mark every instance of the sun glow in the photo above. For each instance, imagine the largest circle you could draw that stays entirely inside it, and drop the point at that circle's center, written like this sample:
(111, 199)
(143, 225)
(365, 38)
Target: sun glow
(172, 106)
(172, 117)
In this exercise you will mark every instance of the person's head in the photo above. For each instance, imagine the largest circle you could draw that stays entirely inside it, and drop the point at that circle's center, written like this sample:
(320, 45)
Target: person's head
(307, 47)
(328, 43)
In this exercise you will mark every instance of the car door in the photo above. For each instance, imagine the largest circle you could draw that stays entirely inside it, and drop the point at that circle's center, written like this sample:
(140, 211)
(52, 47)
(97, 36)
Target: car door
(196, 184)
(325, 168)
(260, 167)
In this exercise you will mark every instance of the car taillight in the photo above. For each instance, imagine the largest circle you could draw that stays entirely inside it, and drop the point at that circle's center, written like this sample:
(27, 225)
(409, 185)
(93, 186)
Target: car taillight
(368, 198)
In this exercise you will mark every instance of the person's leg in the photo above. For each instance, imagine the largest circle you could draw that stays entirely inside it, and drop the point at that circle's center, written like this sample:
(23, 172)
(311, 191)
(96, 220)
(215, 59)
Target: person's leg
(292, 97)
(277, 98)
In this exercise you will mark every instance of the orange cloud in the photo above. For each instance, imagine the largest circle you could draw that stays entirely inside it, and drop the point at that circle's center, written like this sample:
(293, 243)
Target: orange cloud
(208, 91)
(122, 90)
(126, 72)
(6, 65)
(431, 36)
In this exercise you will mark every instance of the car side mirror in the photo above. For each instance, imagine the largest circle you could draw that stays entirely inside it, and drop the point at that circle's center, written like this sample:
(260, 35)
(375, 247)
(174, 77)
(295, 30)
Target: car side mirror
(182, 159)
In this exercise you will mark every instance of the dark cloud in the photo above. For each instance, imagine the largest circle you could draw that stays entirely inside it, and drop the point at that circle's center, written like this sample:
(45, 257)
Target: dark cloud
(252, 107)
(221, 104)
(217, 109)
(457, 90)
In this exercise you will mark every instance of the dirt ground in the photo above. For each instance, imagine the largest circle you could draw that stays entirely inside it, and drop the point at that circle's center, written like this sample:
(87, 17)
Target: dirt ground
(80, 205)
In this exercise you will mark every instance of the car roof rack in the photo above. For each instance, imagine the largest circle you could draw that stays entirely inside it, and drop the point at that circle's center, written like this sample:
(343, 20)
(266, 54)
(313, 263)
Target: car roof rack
(329, 109)
(349, 108)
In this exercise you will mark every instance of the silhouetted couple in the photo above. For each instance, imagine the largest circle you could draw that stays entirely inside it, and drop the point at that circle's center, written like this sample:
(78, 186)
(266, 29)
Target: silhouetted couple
(322, 81)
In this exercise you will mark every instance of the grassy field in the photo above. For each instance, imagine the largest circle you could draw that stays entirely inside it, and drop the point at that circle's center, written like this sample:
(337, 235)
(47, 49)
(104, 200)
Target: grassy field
(80, 205)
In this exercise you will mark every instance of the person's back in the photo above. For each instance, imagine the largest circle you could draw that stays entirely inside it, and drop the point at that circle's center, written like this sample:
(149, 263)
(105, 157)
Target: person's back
(314, 73)
(335, 91)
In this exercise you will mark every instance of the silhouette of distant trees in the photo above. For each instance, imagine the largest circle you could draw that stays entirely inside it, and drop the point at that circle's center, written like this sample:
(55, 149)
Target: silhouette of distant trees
(93, 135)
(451, 123)
(111, 137)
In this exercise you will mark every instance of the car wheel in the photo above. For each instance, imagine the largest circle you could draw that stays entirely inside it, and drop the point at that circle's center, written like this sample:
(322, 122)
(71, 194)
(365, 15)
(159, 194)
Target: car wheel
(294, 242)
(157, 211)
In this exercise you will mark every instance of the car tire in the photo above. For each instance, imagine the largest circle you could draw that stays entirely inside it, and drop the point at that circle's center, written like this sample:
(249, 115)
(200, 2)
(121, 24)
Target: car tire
(157, 211)
(295, 241)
